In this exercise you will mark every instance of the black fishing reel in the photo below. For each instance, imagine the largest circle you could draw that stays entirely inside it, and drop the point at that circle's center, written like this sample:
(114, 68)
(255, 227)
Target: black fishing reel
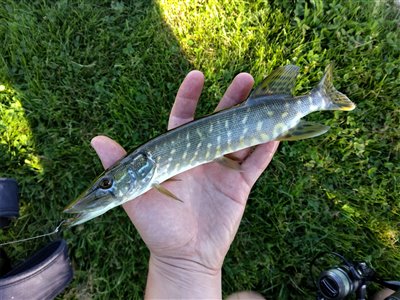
(347, 279)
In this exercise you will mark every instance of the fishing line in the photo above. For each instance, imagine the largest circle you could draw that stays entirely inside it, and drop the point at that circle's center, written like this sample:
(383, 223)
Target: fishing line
(37, 236)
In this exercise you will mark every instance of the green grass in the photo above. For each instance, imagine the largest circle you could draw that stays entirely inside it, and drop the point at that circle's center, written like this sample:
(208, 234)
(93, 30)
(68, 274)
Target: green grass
(70, 70)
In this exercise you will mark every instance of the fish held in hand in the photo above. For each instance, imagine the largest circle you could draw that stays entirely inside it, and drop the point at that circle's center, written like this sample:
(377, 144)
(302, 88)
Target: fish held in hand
(270, 113)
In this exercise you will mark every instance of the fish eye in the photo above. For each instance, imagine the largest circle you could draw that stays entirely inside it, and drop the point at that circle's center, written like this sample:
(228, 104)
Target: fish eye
(105, 183)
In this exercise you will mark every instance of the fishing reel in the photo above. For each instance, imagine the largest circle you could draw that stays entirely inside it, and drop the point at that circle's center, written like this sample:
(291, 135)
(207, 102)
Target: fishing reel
(347, 279)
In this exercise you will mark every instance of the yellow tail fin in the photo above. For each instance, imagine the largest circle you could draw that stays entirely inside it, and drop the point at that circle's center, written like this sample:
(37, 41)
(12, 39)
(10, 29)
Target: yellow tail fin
(334, 100)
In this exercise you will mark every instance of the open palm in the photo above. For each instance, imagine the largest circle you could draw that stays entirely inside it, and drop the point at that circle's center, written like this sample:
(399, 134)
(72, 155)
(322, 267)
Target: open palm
(201, 229)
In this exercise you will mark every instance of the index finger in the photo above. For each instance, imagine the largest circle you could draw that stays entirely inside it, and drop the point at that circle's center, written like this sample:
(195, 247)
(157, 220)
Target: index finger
(186, 99)
(237, 91)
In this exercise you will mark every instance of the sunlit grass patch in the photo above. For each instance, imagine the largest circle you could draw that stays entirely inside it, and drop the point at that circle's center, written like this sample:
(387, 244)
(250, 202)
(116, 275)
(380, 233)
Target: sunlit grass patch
(16, 137)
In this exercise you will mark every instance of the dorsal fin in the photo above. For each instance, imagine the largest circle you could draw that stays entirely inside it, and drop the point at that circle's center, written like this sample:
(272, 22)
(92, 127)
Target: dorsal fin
(280, 82)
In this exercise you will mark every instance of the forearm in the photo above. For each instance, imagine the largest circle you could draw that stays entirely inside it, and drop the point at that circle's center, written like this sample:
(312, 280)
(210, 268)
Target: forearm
(167, 280)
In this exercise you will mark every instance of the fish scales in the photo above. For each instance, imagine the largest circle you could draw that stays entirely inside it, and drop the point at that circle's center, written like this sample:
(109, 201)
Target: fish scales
(270, 113)
(170, 149)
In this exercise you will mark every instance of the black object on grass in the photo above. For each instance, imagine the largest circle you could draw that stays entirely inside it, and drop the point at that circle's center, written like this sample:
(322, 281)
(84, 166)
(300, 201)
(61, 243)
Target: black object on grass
(9, 201)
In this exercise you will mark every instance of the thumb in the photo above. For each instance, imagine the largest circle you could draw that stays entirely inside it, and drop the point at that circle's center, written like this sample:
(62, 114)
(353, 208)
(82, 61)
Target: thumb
(108, 150)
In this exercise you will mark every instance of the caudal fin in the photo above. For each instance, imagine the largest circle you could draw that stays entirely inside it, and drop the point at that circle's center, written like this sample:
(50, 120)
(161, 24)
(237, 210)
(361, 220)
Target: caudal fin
(333, 99)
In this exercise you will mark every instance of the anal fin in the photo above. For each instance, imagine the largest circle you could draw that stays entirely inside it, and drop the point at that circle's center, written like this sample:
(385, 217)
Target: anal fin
(303, 130)
(165, 191)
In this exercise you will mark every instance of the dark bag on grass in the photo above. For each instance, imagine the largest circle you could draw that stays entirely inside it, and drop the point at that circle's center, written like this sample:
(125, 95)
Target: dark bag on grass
(9, 204)
(42, 276)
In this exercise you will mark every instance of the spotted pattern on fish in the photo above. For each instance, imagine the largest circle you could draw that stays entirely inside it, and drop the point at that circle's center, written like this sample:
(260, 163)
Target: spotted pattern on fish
(232, 134)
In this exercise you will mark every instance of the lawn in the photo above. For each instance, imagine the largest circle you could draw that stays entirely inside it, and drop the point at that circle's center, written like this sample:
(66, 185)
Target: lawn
(70, 70)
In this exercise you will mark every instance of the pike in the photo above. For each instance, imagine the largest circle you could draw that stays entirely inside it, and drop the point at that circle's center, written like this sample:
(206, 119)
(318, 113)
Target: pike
(270, 113)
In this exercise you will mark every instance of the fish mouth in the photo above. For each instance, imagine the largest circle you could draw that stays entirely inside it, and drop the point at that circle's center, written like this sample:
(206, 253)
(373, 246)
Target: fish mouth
(70, 208)
(83, 203)
(78, 219)
(75, 206)
(84, 216)
(81, 206)
(86, 208)
(73, 221)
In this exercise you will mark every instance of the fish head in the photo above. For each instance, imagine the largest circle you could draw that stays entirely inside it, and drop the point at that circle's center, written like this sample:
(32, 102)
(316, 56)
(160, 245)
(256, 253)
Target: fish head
(126, 180)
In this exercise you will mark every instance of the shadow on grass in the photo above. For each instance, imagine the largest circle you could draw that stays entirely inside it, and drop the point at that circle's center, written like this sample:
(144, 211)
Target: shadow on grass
(71, 71)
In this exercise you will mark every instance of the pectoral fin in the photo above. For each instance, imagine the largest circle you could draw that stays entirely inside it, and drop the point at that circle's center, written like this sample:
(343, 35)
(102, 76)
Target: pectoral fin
(303, 130)
(229, 163)
(165, 192)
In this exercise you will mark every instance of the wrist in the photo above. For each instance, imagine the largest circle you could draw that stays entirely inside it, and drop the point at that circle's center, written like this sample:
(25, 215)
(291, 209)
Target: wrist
(182, 279)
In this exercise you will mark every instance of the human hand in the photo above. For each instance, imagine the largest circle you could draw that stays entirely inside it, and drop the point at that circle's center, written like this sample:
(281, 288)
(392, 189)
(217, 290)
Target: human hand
(193, 237)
